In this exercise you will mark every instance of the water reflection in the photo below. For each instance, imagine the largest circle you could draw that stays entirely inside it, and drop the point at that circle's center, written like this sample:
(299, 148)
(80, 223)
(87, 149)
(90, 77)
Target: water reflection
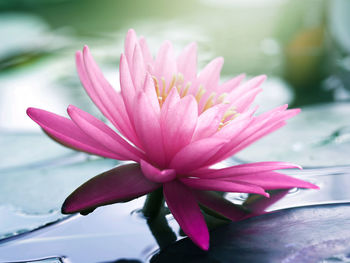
(108, 233)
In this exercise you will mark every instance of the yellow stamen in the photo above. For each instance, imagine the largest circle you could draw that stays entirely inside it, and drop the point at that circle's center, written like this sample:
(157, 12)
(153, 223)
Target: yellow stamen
(164, 89)
(179, 87)
(200, 93)
(180, 79)
(209, 102)
(228, 113)
(172, 83)
(221, 99)
(184, 93)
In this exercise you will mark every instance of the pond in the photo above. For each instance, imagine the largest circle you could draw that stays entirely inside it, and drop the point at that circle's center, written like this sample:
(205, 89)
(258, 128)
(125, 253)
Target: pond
(303, 48)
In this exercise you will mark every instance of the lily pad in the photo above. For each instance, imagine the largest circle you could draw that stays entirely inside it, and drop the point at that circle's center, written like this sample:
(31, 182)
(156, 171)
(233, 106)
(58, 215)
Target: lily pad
(21, 190)
(307, 234)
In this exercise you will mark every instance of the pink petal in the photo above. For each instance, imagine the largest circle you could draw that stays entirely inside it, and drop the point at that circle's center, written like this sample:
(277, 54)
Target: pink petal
(258, 127)
(230, 132)
(148, 130)
(172, 99)
(179, 125)
(130, 42)
(209, 77)
(151, 94)
(104, 135)
(138, 72)
(231, 84)
(272, 180)
(102, 93)
(165, 64)
(196, 154)
(147, 56)
(234, 127)
(126, 86)
(239, 91)
(258, 206)
(244, 102)
(154, 174)
(120, 184)
(187, 63)
(243, 169)
(66, 132)
(209, 122)
(220, 205)
(183, 205)
(223, 186)
(277, 121)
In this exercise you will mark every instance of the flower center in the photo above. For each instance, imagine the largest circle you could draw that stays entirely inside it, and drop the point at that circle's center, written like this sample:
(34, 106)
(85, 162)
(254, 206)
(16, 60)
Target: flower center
(213, 99)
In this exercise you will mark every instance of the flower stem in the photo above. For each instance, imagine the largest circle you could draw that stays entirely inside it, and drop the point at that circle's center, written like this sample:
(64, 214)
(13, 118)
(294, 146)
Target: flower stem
(153, 204)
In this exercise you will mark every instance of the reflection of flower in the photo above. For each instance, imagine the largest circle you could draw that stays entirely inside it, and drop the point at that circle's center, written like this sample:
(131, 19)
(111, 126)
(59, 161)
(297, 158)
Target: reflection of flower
(174, 124)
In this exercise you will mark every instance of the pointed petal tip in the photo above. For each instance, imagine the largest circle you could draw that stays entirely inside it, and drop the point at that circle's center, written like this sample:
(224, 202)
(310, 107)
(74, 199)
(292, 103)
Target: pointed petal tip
(311, 186)
(30, 111)
(131, 31)
(34, 113)
(204, 245)
(78, 54)
(218, 60)
(85, 49)
(71, 109)
(66, 207)
(261, 78)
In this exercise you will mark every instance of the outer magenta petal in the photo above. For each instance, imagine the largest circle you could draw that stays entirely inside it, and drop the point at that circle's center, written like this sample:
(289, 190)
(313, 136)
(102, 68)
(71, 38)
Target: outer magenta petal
(183, 205)
(120, 184)
(243, 169)
(156, 175)
(68, 133)
(96, 129)
(223, 186)
(272, 180)
(196, 154)
(258, 207)
(220, 205)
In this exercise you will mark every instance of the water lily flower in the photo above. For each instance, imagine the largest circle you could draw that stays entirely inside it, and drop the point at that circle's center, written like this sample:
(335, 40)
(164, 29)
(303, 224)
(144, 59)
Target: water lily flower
(174, 124)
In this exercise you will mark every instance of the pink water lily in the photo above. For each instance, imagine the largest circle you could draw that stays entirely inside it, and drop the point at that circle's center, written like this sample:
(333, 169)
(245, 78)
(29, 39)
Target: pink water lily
(174, 124)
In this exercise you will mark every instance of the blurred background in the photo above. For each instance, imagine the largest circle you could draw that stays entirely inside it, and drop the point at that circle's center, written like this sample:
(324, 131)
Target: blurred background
(303, 47)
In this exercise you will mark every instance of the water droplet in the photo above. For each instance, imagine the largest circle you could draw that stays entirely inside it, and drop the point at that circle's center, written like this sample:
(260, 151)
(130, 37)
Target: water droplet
(293, 190)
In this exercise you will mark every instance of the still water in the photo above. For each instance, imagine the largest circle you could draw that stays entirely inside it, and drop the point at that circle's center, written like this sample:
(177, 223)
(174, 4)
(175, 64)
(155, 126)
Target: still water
(303, 48)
